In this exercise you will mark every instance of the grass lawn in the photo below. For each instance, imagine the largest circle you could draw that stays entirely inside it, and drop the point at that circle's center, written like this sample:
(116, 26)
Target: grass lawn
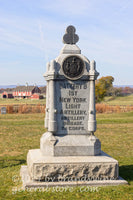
(21, 132)
(21, 101)
(126, 100)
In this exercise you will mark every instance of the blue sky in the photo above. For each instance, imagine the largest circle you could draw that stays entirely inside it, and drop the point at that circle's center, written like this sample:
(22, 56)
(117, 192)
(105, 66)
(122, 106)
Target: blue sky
(31, 35)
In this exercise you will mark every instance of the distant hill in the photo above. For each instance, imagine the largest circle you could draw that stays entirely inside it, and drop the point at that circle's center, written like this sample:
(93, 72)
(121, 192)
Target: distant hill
(13, 86)
(7, 86)
(131, 86)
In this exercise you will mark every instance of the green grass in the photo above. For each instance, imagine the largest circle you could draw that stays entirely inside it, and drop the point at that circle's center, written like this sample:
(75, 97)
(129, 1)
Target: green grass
(21, 101)
(126, 100)
(21, 132)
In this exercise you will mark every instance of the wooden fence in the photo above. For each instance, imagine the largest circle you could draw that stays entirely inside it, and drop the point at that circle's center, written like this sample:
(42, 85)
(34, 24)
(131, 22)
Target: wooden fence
(40, 108)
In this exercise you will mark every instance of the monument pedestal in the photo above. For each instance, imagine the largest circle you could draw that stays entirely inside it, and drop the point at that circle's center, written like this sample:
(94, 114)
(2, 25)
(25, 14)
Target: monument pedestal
(71, 167)
(69, 145)
(43, 171)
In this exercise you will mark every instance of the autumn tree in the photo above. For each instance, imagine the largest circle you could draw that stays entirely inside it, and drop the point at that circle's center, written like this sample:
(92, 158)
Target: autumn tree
(103, 87)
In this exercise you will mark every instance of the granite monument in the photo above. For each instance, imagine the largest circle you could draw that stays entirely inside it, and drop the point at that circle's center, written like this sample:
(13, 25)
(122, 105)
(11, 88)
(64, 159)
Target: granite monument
(69, 150)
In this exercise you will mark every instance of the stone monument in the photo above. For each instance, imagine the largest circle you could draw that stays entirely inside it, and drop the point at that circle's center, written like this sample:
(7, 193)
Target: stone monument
(69, 150)
(3, 110)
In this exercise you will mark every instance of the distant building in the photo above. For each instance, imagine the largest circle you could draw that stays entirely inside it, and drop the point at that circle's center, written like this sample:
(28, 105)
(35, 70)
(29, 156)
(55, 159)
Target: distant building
(37, 96)
(23, 92)
(7, 94)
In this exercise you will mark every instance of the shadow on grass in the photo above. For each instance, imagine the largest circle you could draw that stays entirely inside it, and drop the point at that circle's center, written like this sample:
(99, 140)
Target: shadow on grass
(126, 172)
(10, 162)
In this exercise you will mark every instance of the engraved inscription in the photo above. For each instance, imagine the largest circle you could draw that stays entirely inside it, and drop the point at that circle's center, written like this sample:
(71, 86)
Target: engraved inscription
(73, 67)
(73, 105)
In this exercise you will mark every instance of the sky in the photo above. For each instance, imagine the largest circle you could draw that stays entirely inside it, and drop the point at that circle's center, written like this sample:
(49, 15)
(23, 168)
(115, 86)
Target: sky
(31, 35)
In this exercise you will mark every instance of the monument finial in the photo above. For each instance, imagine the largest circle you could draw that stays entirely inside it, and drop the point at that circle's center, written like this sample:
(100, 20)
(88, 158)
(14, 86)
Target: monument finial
(70, 37)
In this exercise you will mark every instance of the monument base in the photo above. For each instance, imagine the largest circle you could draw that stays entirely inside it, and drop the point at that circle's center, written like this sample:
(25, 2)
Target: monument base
(28, 183)
(71, 167)
(43, 171)
(69, 145)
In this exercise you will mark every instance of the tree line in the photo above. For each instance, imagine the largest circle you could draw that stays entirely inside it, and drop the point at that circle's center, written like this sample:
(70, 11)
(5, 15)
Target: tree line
(104, 87)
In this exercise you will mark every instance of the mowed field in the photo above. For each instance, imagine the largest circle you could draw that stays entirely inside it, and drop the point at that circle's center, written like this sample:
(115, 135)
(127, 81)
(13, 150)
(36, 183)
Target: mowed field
(20, 101)
(126, 100)
(21, 132)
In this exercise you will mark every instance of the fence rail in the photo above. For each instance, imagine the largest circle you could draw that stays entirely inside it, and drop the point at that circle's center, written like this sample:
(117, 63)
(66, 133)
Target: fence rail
(40, 108)
(104, 108)
(25, 108)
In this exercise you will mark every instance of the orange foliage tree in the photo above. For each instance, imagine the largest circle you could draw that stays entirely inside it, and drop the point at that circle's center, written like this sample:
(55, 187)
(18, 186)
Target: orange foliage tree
(103, 86)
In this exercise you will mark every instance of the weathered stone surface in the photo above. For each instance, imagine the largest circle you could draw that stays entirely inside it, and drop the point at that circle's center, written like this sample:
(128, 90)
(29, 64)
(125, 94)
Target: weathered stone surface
(80, 145)
(75, 167)
(28, 183)
(69, 145)
(47, 144)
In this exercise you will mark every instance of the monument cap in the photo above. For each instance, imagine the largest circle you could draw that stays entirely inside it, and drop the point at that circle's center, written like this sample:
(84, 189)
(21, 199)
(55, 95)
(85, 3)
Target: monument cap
(70, 37)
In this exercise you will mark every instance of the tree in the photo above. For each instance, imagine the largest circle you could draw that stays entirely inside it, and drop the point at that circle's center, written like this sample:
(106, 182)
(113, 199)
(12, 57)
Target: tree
(103, 87)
